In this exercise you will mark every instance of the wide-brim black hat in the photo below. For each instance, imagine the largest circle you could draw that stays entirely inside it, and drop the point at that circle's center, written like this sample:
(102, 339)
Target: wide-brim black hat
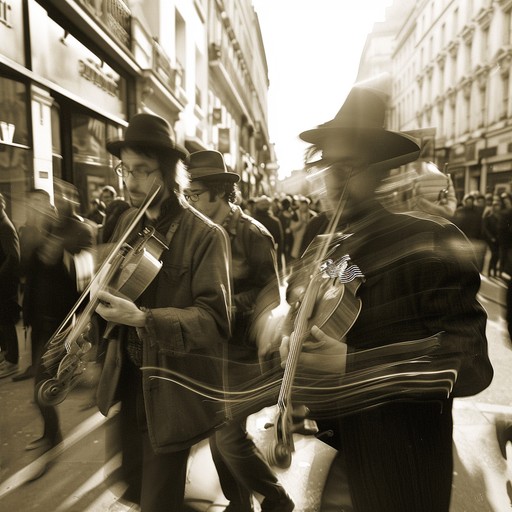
(360, 121)
(209, 165)
(149, 131)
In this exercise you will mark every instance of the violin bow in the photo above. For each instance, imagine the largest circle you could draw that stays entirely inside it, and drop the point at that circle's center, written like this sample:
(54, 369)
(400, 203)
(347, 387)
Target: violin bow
(114, 251)
(103, 273)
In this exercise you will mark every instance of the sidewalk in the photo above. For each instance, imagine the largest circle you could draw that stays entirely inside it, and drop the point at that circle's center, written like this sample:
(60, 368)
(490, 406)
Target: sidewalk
(480, 473)
(493, 289)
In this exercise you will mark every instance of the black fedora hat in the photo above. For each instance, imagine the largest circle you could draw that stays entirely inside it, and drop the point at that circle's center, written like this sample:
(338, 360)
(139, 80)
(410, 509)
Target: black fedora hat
(151, 131)
(360, 121)
(209, 165)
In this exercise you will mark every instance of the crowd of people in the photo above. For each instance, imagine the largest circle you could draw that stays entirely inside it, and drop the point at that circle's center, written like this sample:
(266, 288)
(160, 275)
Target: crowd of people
(408, 270)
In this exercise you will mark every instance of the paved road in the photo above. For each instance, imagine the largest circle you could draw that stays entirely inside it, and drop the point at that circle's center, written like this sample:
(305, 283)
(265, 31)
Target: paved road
(76, 478)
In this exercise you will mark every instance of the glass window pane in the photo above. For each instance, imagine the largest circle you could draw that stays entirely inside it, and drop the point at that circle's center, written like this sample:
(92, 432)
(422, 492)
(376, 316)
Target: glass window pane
(16, 168)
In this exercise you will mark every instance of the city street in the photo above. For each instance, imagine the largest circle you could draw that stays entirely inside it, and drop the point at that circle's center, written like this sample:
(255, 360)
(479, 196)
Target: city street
(77, 468)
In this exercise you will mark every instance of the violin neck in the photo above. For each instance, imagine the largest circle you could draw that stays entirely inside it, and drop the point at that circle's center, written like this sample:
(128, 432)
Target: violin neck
(299, 334)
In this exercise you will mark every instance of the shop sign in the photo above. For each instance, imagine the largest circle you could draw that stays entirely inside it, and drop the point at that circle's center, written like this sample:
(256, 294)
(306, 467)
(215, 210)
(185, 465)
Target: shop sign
(93, 72)
(501, 166)
(11, 30)
(83, 74)
(114, 14)
(224, 142)
(5, 13)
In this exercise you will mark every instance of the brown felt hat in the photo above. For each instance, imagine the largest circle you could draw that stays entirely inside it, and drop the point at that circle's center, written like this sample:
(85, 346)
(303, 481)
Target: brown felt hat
(209, 165)
(360, 121)
(150, 131)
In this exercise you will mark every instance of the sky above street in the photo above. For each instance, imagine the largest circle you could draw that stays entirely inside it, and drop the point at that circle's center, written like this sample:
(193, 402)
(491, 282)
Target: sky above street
(313, 49)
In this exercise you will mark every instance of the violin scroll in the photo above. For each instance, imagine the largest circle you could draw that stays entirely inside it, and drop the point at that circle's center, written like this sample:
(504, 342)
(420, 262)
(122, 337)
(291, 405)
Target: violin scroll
(287, 422)
(72, 365)
(279, 453)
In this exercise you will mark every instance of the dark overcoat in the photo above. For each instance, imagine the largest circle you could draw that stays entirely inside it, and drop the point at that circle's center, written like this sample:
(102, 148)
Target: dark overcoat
(188, 322)
(420, 279)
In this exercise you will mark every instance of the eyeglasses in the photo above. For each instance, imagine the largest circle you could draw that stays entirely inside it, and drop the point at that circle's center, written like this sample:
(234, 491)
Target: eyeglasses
(140, 173)
(195, 196)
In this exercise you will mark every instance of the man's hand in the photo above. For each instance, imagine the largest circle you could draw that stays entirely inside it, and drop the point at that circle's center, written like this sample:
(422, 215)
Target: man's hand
(119, 310)
(322, 354)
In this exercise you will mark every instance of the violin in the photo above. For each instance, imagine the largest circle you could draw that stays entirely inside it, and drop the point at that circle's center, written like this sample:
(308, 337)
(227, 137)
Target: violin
(127, 270)
(330, 303)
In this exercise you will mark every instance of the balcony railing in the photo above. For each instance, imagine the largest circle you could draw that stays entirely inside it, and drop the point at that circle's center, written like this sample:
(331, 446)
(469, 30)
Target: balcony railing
(151, 57)
(217, 55)
(115, 16)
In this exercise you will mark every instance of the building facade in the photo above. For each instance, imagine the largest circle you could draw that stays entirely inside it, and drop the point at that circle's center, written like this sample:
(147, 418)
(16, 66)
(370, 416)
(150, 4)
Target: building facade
(72, 72)
(450, 64)
(237, 94)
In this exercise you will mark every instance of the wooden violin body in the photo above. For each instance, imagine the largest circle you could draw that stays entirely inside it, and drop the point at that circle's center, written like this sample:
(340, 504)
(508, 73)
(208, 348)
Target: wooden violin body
(127, 271)
(330, 303)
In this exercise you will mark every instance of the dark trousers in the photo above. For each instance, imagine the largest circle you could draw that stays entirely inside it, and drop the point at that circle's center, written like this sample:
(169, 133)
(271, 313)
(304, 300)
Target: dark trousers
(494, 259)
(399, 457)
(9, 342)
(156, 481)
(241, 467)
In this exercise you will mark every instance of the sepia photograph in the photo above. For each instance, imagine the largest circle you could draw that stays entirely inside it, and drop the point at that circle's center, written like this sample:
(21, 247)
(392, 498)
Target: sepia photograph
(255, 256)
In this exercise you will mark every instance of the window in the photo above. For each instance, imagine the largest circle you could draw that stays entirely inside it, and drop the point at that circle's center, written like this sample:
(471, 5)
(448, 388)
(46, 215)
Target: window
(92, 164)
(483, 107)
(453, 77)
(485, 44)
(15, 154)
(467, 111)
(181, 46)
(505, 95)
(453, 113)
(507, 35)
(469, 49)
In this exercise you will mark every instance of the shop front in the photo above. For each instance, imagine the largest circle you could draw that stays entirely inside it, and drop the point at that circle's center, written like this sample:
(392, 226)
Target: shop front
(16, 151)
(15, 146)
(83, 102)
(59, 104)
(499, 177)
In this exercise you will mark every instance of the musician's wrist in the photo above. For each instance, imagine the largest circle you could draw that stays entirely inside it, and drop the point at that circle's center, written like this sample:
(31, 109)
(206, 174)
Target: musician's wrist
(139, 319)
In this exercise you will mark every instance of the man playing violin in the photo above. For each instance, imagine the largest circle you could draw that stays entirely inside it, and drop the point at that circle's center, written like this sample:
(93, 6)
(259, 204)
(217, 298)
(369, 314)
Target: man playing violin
(415, 340)
(174, 331)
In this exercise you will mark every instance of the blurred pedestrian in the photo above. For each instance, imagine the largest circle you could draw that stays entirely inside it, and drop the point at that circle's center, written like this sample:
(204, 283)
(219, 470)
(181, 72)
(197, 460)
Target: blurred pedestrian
(505, 235)
(113, 211)
(41, 216)
(108, 194)
(285, 218)
(59, 271)
(301, 216)
(9, 289)
(490, 229)
(468, 218)
(262, 214)
(96, 213)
